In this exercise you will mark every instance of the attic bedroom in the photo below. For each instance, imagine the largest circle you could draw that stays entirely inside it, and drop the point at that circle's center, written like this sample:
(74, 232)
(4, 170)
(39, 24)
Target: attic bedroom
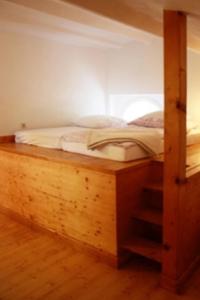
(99, 149)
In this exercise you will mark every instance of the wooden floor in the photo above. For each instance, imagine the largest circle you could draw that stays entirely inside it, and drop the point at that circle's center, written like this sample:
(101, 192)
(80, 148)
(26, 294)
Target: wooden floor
(34, 265)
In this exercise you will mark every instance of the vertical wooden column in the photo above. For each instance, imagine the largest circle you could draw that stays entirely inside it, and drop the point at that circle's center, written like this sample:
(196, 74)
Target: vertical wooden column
(175, 49)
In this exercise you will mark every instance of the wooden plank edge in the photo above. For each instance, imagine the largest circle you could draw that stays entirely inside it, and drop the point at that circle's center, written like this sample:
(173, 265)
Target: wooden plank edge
(7, 139)
(144, 247)
(153, 216)
(157, 187)
(34, 155)
(111, 260)
(89, 165)
(177, 285)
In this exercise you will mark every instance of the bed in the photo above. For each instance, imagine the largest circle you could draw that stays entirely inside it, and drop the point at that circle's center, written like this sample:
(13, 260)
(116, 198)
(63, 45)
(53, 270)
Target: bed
(120, 144)
(87, 200)
(78, 197)
(75, 139)
(89, 192)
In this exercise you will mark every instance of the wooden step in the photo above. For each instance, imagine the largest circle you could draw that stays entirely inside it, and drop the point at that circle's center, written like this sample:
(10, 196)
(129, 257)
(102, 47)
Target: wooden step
(145, 247)
(153, 216)
(152, 199)
(154, 186)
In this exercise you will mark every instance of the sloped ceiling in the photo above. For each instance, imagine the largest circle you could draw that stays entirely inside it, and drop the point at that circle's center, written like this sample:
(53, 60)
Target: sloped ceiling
(147, 14)
(67, 23)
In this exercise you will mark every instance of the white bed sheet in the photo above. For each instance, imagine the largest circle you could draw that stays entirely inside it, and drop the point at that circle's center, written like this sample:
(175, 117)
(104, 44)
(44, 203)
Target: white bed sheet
(123, 153)
(53, 138)
(45, 137)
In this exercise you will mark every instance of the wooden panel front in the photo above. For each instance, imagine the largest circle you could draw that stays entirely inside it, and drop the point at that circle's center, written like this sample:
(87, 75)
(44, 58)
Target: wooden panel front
(71, 201)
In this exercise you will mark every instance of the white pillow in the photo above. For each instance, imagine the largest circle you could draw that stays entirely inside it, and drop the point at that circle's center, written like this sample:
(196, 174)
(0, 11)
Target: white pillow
(154, 120)
(100, 121)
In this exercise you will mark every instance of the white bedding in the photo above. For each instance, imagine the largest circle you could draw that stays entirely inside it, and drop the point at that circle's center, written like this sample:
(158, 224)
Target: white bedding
(149, 139)
(124, 152)
(46, 137)
(77, 140)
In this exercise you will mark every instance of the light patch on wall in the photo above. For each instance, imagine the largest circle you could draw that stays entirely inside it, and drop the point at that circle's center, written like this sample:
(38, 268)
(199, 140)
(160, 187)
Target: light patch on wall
(130, 107)
(139, 109)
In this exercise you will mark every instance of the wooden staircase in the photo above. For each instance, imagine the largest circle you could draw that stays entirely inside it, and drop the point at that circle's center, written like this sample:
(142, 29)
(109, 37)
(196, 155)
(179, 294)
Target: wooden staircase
(147, 220)
(145, 247)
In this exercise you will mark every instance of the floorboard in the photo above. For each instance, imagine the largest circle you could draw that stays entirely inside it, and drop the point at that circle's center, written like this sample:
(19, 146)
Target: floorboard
(34, 265)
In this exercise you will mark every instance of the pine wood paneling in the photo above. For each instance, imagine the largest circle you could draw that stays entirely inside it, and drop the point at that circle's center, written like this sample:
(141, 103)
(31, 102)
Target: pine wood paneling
(87, 200)
(71, 201)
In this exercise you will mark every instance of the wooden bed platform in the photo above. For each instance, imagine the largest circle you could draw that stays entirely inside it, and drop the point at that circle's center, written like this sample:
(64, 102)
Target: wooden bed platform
(110, 208)
(79, 197)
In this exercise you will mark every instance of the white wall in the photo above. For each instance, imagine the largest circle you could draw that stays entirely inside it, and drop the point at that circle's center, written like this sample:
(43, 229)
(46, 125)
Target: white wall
(138, 69)
(194, 85)
(44, 83)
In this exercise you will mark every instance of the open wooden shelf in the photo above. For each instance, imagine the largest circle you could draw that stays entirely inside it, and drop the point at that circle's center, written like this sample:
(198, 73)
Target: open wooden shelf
(153, 216)
(145, 247)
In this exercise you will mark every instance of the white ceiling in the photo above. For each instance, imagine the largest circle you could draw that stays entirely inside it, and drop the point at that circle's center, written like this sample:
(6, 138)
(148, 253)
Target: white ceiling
(66, 23)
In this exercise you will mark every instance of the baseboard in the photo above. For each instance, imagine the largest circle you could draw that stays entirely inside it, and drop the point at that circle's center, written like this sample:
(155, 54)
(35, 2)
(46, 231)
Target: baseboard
(103, 256)
(177, 285)
(7, 139)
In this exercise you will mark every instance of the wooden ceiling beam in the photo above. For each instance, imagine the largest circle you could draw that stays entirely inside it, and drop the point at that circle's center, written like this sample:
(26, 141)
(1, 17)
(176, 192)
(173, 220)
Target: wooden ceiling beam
(119, 11)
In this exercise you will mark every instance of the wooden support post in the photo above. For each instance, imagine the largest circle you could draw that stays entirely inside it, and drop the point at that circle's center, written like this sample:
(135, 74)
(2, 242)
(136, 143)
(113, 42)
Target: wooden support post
(175, 48)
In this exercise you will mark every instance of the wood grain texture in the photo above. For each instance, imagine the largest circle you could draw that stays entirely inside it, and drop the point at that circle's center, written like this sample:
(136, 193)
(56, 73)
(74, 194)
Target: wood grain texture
(73, 159)
(71, 201)
(181, 190)
(74, 201)
(146, 15)
(84, 204)
(76, 244)
(175, 140)
(36, 266)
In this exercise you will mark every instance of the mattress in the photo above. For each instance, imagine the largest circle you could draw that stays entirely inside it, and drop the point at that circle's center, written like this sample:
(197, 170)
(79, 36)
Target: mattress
(52, 138)
(124, 152)
(74, 139)
(44, 137)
